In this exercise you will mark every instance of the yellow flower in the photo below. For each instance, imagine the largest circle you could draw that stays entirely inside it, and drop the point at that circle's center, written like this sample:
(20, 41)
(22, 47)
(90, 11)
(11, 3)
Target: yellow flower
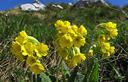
(30, 60)
(75, 28)
(22, 37)
(71, 32)
(110, 25)
(71, 63)
(75, 60)
(105, 47)
(103, 38)
(67, 24)
(62, 26)
(37, 68)
(18, 50)
(112, 50)
(41, 50)
(90, 52)
(80, 56)
(107, 50)
(113, 33)
(65, 41)
(29, 48)
(79, 41)
(59, 24)
(69, 40)
(23, 51)
(64, 53)
(106, 55)
(82, 30)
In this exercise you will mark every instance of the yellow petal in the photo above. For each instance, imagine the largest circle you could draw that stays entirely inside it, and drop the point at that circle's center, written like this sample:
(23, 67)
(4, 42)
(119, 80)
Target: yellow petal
(30, 60)
(82, 30)
(37, 68)
(41, 50)
(22, 37)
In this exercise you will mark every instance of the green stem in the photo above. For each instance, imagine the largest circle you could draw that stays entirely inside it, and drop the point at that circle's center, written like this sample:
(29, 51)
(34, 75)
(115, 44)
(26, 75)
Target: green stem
(35, 77)
(56, 79)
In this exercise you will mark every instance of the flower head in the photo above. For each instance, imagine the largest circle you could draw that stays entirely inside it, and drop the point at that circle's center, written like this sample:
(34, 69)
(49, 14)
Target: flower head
(82, 30)
(69, 40)
(28, 48)
(65, 41)
(73, 62)
(22, 37)
(41, 50)
(37, 68)
(79, 41)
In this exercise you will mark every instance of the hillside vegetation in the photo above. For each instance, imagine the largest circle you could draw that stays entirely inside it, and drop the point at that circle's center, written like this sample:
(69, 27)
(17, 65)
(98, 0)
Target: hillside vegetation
(41, 25)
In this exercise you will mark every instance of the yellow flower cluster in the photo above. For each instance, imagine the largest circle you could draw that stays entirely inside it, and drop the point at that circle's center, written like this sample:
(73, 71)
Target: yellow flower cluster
(106, 48)
(75, 59)
(70, 35)
(111, 27)
(28, 48)
(69, 40)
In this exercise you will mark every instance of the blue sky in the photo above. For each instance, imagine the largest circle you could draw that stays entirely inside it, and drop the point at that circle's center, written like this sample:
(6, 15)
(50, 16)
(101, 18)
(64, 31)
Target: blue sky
(8, 4)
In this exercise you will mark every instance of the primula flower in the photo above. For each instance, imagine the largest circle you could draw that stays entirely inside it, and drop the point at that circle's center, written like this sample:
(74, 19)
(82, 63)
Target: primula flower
(113, 33)
(112, 50)
(18, 50)
(105, 47)
(103, 38)
(69, 40)
(71, 32)
(67, 24)
(59, 24)
(80, 56)
(73, 62)
(75, 28)
(82, 30)
(22, 37)
(41, 50)
(30, 60)
(79, 41)
(29, 49)
(65, 41)
(62, 26)
(107, 50)
(110, 25)
(37, 68)
(106, 55)
(63, 52)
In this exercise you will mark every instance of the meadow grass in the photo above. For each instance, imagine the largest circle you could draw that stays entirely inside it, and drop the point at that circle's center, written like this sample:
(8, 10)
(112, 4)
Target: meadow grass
(41, 25)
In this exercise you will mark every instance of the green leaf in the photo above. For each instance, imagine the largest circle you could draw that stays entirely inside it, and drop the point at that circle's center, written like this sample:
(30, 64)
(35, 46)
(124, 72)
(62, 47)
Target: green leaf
(92, 71)
(79, 77)
(95, 71)
(44, 78)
